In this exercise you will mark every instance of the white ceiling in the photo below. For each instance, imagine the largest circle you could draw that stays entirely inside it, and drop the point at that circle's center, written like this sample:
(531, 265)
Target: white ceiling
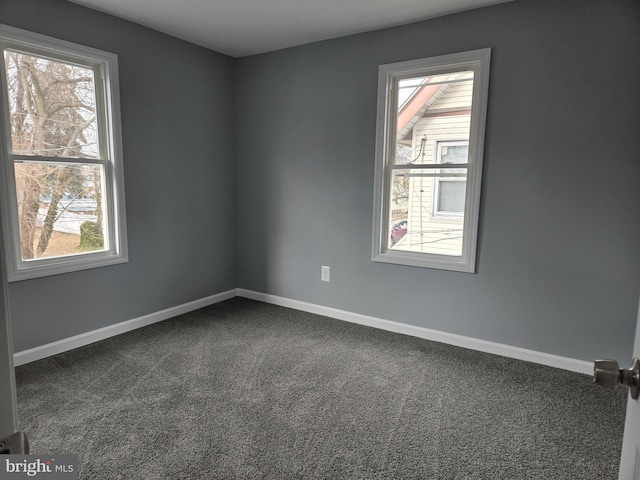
(245, 27)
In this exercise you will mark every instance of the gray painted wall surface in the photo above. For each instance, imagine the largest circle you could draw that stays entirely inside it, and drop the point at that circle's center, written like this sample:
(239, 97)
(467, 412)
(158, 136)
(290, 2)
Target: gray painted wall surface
(177, 104)
(559, 252)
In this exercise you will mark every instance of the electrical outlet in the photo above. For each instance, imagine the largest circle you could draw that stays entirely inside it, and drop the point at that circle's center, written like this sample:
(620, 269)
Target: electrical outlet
(325, 274)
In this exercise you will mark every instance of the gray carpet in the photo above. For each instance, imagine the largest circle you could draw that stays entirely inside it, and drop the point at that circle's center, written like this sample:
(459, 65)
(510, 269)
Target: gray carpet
(246, 390)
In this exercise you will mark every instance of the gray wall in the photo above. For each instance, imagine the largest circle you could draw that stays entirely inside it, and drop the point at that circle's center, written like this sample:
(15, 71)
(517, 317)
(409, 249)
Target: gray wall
(178, 126)
(559, 245)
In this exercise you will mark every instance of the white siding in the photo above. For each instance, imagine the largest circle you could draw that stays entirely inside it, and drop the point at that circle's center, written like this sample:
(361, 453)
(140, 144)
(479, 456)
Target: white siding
(457, 97)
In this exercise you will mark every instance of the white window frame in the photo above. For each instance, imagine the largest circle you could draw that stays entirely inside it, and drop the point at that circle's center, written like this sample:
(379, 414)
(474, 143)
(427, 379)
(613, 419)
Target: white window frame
(388, 77)
(105, 68)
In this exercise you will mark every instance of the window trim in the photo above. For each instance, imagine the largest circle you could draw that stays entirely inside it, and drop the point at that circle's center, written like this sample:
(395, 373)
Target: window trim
(105, 67)
(388, 76)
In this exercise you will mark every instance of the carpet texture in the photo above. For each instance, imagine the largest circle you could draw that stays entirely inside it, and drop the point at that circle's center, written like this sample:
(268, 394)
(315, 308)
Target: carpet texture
(246, 390)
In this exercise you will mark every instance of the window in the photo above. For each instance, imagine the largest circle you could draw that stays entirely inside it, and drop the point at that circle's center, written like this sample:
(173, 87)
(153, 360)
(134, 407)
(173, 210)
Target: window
(450, 190)
(431, 113)
(62, 181)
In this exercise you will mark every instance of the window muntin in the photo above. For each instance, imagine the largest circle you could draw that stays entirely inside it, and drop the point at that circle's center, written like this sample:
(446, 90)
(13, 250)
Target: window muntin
(430, 111)
(63, 201)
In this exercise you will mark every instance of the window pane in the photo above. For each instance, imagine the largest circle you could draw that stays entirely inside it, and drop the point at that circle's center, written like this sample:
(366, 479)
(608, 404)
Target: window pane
(451, 196)
(417, 197)
(60, 209)
(450, 192)
(52, 107)
(429, 109)
(454, 153)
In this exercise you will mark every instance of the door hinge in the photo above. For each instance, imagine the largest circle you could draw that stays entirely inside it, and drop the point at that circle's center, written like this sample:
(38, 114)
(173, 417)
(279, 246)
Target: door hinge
(16, 444)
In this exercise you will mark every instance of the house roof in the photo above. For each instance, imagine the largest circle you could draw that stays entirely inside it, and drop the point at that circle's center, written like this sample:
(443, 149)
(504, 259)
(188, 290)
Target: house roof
(426, 93)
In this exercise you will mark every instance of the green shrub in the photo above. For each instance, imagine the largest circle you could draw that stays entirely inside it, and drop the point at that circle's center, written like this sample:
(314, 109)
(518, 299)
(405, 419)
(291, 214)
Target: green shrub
(91, 237)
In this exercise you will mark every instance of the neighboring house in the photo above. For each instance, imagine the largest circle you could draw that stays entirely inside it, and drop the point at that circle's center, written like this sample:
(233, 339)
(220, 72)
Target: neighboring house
(434, 116)
(72, 213)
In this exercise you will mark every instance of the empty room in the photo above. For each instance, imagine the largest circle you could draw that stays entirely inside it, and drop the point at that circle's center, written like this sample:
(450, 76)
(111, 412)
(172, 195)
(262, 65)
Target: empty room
(234, 243)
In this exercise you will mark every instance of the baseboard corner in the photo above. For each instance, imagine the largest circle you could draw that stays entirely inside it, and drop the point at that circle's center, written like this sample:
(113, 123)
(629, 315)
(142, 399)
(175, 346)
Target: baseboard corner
(66, 344)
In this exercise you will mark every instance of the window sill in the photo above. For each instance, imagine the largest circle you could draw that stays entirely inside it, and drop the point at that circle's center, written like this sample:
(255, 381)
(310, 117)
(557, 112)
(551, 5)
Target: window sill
(52, 266)
(423, 260)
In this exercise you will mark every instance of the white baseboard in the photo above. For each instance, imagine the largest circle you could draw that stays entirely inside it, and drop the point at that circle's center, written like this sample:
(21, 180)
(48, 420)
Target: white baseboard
(509, 351)
(64, 345)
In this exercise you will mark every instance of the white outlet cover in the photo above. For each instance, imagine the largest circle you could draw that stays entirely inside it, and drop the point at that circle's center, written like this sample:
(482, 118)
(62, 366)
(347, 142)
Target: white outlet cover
(325, 273)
